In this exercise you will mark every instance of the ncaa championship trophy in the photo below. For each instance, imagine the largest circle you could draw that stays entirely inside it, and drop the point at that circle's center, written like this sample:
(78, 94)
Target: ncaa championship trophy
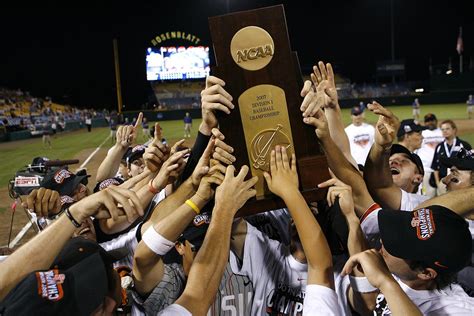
(254, 58)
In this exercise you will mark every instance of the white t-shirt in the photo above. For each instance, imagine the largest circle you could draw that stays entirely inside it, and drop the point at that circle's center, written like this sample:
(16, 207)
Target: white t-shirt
(175, 310)
(410, 201)
(430, 140)
(279, 280)
(361, 139)
(320, 300)
(451, 300)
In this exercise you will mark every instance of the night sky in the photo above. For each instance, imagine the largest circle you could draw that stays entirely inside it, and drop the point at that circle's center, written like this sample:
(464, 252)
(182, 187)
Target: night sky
(66, 53)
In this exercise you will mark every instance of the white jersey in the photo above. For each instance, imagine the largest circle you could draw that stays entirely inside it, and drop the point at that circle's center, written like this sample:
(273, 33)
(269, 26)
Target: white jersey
(128, 242)
(451, 300)
(430, 140)
(279, 280)
(361, 139)
(320, 300)
(175, 310)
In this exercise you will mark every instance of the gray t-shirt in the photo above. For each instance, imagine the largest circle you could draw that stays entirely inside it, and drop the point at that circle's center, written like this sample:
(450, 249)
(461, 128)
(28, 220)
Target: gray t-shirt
(234, 297)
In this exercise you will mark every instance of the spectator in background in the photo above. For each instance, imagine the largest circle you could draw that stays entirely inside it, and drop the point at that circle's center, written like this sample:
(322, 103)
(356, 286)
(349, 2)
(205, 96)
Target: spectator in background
(88, 123)
(113, 130)
(470, 103)
(54, 127)
(416, 109)
(409, 135)
(188, 123)
(47, 131)
(360, 134)
(146, 129)
(446, 149)
(432, 136)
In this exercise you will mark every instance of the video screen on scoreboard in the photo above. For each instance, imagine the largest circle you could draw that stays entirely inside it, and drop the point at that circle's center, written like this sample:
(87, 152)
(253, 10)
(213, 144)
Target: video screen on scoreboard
(177, 63)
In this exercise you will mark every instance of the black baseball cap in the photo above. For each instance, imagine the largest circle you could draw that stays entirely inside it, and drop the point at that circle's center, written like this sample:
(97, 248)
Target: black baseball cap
(76, 285)
(356, 110)
(430, 117)
(106, 183)
(135, 153)
(463, 160)
(399, 149)
(64, 182)
(196, 231)
(434, 235)
(409, 126)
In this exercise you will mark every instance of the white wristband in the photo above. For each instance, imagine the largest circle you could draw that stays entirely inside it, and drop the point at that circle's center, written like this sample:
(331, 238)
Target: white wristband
(361, 284)
(157, 243)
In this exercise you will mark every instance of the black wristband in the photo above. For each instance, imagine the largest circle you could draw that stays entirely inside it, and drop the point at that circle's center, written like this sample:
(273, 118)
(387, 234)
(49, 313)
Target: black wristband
(73, 220)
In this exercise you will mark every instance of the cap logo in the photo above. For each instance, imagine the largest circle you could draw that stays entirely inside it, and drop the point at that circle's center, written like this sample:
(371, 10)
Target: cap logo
(61, 175)
(407, 128)
(201, 219)
(50, 284)
(66, 199)
(424, 223)
(106, 183)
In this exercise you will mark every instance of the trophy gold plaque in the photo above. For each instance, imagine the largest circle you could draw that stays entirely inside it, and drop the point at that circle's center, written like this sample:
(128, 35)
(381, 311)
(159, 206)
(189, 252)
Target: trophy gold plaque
(253, 56)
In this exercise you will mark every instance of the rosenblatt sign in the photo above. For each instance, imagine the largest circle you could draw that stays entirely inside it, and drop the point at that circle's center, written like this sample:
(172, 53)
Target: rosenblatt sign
(175, 35)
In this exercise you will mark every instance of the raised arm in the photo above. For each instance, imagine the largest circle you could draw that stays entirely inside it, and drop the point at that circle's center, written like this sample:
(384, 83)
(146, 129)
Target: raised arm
(39, 252)
(377, 273)
(377, 174)
(148, 266)
(208, 266)
(325, 97)
(283, 181)
(126, 136)
(459, 201)
(339, 165)
(338, 191)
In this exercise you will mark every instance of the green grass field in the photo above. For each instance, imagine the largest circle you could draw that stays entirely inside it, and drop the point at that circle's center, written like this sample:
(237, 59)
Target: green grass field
(15, 155)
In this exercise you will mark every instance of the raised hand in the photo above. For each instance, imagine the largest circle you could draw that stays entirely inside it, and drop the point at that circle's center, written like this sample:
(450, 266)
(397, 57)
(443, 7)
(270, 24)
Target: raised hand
(169, 171)
(323, 80)
(177, 146)
(371, 263)
(156, 152)
(387, 125)
(214, 176)
(43, 202)
(213, 98)
(234, 191)
(113, 202)
(222, 152)
(282, 178)
(320, 122)
(127, 134)
(203, 164)
(338, 189)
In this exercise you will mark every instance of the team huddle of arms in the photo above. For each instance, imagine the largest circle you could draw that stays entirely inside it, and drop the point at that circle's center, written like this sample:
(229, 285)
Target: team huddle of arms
(159, 234)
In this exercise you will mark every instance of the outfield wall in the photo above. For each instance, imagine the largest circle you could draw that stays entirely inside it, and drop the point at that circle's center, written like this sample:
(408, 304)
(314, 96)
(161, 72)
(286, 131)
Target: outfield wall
(70, 126)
